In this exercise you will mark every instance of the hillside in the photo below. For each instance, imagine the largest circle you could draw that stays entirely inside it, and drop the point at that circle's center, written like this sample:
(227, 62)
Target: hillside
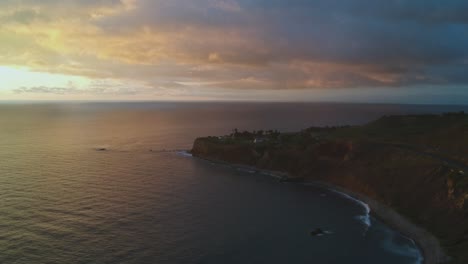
(415, 164)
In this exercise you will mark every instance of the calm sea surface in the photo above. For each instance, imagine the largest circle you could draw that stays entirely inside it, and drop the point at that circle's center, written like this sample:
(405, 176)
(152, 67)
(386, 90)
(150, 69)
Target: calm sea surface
(61, 201)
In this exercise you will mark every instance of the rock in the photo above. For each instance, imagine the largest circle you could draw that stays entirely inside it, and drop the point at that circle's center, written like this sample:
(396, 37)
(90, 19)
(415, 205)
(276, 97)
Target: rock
(317, 232)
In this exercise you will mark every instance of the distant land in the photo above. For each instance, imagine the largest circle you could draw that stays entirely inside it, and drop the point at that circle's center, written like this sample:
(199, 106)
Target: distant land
(412, 170)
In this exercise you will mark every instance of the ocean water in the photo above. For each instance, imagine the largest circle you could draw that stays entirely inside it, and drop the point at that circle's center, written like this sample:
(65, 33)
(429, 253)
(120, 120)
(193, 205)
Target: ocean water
(61, 201)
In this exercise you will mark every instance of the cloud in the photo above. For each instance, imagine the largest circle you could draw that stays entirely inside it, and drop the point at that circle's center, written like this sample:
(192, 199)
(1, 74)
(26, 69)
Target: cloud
(100, 87)
(75, 91)
(239, 44)
(47, 90)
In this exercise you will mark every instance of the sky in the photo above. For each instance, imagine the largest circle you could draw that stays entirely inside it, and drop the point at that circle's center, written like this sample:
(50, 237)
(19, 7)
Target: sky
(396, 51)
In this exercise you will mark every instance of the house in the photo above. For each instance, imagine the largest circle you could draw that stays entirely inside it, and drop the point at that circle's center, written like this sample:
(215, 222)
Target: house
(259, 140)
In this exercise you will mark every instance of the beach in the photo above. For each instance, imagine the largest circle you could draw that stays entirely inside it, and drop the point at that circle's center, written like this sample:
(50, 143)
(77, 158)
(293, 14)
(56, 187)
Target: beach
(429, 245)
(431, 250)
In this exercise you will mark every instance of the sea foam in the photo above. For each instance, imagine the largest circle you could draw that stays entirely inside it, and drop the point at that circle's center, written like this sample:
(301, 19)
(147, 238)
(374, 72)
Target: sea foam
(365, 219)
(184, 153)
(404, 250)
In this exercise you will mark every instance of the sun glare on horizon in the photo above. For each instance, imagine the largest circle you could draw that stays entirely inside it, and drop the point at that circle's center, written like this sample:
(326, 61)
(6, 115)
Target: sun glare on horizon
(17, 77)
(19, 80)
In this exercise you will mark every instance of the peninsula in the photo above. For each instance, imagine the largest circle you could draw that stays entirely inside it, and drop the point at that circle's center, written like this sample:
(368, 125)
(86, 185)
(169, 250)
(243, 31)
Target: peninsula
(412, 171)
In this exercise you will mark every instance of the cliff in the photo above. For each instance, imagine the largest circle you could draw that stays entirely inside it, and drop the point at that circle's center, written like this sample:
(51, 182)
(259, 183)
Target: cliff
(413, 164)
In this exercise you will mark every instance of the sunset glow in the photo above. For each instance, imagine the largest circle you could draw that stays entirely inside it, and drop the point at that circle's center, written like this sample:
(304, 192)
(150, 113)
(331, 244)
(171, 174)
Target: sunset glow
(232, 50)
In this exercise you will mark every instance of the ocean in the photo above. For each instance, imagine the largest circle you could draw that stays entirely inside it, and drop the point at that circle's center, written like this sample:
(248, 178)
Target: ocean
(145, 201)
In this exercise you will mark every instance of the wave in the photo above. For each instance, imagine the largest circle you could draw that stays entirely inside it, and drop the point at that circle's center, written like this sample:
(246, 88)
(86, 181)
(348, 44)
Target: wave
(184, 153)
(364, 219)
(246, 170)
(180, 152)
(412, 251)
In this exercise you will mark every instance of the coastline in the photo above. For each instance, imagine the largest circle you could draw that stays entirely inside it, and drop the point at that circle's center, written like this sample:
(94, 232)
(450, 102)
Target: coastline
(427, 243)
(429, 246)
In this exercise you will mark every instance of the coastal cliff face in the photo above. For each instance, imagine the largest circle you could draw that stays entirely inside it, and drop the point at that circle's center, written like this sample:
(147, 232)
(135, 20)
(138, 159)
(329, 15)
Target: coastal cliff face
(234, 153)
(400, 161)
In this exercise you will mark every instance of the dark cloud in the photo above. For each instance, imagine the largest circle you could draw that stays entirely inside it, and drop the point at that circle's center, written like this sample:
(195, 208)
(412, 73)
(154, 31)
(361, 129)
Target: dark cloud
(417, 42)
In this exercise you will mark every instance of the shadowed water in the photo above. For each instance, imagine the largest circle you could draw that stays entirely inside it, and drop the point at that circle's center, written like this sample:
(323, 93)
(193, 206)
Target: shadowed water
(61, 201)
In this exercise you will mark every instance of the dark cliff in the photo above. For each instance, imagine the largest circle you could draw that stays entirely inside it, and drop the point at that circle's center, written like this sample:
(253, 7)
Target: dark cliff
(414, 164)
